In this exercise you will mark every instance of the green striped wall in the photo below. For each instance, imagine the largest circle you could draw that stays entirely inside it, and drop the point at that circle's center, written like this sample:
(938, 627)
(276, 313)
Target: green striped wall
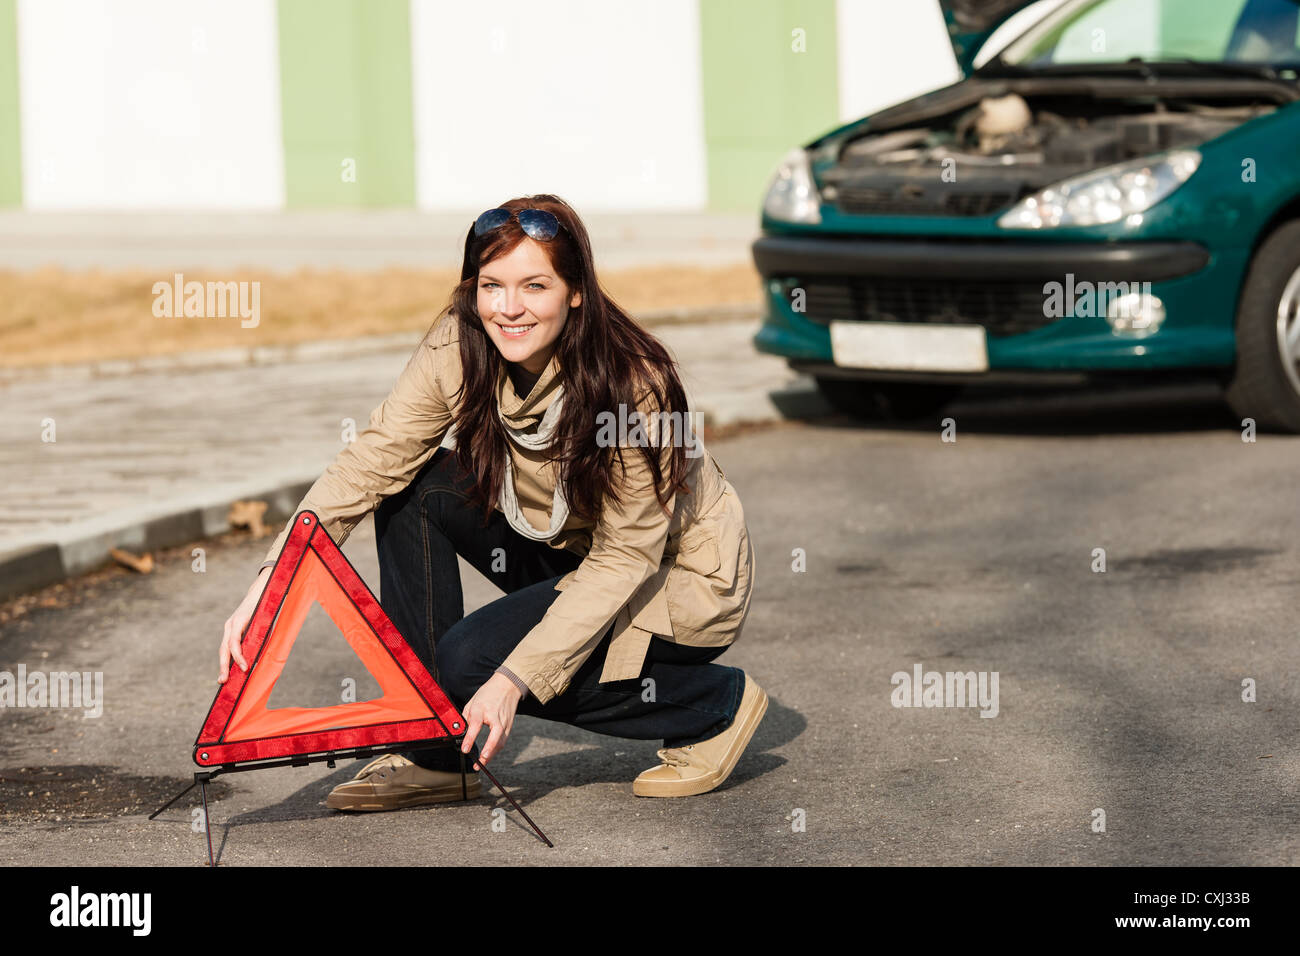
(345, 92)
(11, 157)
(762, 99)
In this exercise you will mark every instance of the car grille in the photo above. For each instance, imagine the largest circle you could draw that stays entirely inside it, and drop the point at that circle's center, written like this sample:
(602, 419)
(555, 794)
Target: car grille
(873, 201)
(1003, 308)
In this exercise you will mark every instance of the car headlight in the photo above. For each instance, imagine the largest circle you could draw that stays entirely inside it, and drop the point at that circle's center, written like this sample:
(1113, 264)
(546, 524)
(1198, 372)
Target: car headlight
(792, 196)
(1104, 195)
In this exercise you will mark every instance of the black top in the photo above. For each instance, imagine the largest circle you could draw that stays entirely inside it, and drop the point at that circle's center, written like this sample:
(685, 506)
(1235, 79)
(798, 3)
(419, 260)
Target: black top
(522, 379)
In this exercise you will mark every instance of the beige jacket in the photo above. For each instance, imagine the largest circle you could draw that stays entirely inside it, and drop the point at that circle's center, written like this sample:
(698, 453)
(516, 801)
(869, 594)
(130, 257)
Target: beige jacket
(687, 578)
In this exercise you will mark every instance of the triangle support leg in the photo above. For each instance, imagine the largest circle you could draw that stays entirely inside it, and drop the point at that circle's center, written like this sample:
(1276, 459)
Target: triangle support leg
(207, 824)
(483, 767)
(201, 779)
(175, 798)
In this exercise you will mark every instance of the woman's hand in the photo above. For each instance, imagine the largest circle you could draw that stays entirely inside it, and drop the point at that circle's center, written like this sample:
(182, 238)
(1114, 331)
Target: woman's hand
(494, 705)
(236, 625)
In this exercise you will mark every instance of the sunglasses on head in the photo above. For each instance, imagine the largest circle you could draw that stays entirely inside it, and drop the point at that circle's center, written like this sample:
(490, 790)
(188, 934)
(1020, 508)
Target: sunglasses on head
(536, 223)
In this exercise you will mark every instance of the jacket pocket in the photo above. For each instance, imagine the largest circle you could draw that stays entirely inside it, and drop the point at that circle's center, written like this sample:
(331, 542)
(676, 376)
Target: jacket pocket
(698, 549)
(708, 585)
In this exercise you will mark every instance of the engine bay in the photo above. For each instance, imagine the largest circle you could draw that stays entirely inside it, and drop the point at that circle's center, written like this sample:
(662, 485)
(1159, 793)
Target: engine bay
(980, 158)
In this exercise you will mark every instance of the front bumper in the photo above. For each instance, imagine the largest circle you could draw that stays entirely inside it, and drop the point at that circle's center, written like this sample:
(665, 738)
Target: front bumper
(999, 284)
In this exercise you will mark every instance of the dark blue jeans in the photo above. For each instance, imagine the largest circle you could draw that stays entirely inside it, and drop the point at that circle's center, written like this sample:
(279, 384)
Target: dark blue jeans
(422, 529)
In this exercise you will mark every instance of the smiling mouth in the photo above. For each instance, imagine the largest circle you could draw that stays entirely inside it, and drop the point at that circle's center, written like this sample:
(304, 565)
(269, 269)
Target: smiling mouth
(515, 331)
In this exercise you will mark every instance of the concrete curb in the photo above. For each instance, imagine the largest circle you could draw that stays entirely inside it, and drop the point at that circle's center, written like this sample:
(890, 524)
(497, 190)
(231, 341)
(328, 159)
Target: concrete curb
(310, 351)
(85, 548)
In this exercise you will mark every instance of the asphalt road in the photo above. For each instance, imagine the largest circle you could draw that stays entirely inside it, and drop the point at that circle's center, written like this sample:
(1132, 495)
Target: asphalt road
(1118, 691)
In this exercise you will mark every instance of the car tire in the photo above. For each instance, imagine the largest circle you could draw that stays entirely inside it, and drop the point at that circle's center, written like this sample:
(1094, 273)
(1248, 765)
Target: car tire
(888, 401)
(1264, 383)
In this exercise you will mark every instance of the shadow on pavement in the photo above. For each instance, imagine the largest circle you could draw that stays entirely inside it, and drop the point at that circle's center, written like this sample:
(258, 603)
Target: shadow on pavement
(1098, 410)
(532, 779)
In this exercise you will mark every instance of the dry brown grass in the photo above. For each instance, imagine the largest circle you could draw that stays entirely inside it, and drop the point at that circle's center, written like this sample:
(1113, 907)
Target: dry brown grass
(56, 316)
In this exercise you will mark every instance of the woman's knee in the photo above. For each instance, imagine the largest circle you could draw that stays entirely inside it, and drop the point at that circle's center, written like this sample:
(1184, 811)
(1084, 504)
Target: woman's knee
(462, 666)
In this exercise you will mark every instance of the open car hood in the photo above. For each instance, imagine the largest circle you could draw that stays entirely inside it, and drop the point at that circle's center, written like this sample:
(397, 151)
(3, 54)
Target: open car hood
(971, 22)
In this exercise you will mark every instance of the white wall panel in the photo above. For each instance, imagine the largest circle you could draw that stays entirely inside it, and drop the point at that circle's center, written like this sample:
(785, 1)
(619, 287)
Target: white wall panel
(890, 51)
(150, 104)
(597, 102)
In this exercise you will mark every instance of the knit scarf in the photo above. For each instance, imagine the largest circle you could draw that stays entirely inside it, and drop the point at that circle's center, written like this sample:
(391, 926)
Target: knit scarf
(508, 501)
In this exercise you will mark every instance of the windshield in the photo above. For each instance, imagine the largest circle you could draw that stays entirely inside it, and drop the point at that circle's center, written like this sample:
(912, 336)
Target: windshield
(1259, 32)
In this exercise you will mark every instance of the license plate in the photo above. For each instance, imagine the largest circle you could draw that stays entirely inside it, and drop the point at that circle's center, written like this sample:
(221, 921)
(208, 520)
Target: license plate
(906, 346)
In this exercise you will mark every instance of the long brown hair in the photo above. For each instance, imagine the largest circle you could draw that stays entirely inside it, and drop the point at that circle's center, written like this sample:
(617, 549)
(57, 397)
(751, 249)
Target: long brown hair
(605, 357)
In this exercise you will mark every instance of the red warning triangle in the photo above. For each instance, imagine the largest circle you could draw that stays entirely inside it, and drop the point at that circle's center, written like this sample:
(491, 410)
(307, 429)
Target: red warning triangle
(411, 707)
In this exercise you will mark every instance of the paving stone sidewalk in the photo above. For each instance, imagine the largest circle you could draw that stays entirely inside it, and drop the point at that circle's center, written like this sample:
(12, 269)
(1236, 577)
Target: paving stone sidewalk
(152, 457)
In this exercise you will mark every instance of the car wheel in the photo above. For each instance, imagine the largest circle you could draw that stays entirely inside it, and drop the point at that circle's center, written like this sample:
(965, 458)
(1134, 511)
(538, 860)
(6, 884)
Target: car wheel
(1265, 381)
(888, 401)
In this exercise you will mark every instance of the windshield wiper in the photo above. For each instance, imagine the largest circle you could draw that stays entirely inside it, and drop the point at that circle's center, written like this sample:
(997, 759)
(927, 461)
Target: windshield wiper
(1255, 71)
(1150, 69)
(1001, 68)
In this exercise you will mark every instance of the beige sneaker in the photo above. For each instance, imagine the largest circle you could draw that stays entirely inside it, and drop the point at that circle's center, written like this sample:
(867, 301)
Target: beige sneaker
(698, 768)
(391, 782)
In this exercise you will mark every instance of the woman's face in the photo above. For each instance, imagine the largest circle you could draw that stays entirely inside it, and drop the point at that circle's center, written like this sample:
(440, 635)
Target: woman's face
(520, 290)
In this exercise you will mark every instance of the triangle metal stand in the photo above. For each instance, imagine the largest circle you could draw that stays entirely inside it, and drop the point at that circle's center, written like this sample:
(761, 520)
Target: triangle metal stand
(201, 777)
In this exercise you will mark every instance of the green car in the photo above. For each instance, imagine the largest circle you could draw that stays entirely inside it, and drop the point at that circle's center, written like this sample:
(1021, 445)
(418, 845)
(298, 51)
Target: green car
(1116, 193)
